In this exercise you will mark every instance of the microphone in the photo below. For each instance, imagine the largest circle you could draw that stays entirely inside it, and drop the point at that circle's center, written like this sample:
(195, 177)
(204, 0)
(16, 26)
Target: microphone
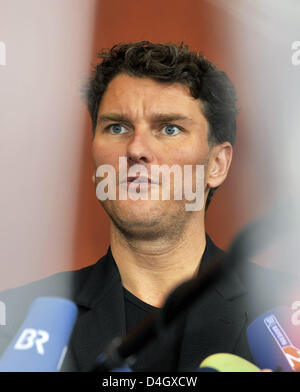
(41, 342)
(274, 340)
(225, 362)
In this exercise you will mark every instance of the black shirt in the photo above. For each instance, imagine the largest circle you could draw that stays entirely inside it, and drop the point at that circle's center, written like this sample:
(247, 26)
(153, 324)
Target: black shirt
(136, 310)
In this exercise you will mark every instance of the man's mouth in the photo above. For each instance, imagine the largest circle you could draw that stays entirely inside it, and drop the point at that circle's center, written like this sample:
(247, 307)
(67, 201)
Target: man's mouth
(138, 180)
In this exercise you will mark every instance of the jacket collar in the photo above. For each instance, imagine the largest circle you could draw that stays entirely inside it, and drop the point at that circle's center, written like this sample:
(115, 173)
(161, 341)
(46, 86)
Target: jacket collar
(214, 323)
(231, 286)
(103, 277)
(96, 286)
(101, 312)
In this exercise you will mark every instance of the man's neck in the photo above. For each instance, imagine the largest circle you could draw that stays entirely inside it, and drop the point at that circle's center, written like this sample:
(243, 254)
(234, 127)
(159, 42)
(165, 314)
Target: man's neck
(152, 269)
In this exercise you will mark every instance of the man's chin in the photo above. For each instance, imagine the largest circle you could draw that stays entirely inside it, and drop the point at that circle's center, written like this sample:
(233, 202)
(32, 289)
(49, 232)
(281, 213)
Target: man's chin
(139, 229)
(145, 221)
(137, 210)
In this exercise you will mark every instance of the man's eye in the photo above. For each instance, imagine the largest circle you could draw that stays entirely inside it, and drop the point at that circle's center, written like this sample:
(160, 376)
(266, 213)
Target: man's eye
(171, 130)
(117, 129)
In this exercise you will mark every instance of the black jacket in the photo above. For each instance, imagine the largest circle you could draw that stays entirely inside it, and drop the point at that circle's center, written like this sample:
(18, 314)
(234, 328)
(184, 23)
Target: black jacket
(216, 323)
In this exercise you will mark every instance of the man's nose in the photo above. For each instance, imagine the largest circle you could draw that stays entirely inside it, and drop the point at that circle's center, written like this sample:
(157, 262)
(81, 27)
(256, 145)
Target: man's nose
(139, 148)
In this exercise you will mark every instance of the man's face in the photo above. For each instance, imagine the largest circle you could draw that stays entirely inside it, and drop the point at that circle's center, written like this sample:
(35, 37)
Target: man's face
(149, 123)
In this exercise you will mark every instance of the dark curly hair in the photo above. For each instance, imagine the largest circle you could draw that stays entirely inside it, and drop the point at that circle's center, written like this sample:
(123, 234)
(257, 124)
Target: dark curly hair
(169, 63)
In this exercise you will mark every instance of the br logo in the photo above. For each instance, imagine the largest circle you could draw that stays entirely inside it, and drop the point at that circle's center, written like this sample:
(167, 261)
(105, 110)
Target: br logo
(292, 354)
(296, 53)
(31, 337)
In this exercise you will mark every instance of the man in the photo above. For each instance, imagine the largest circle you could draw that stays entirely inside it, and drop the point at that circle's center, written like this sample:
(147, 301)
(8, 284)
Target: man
(155, 104)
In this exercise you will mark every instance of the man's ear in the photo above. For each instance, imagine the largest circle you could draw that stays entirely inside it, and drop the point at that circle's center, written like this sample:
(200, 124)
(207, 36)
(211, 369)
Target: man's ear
(219, 163)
